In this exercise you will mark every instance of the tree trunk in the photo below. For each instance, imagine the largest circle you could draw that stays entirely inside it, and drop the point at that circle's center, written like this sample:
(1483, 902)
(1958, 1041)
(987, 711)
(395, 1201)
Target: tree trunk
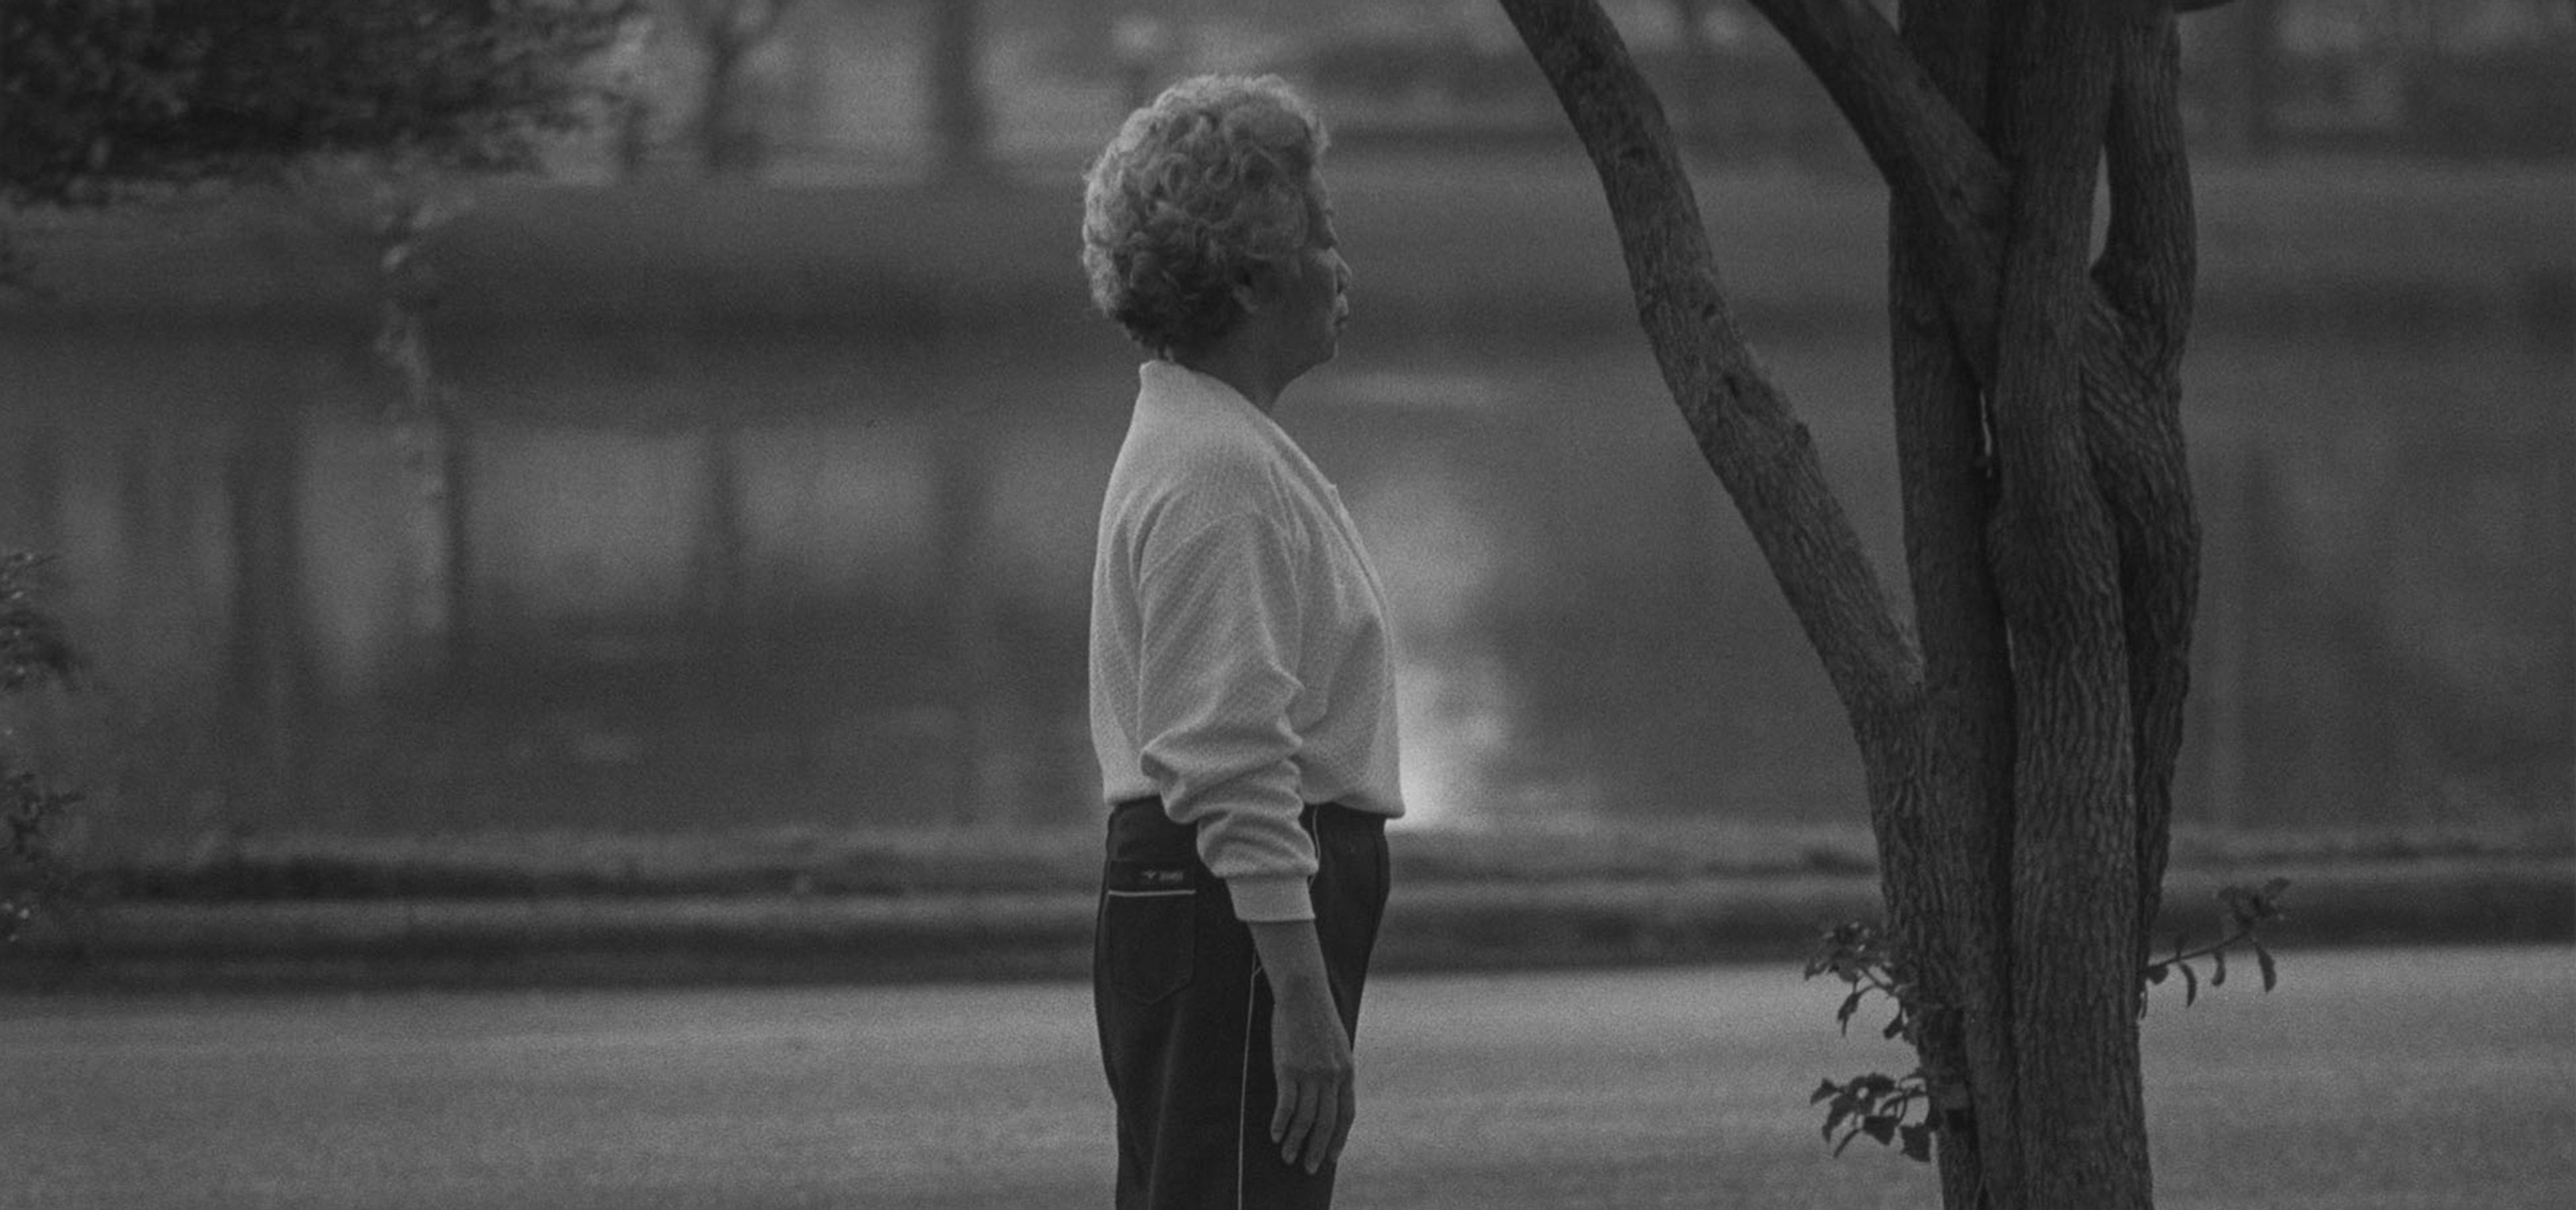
(269, 673)
(727, 138)
(959, 121)
(455, 523)
(2253, 32)
(2079, 1109)
(974, 672)
(1948, 491)
(730, 133)
(2023, 762)
(722, 571)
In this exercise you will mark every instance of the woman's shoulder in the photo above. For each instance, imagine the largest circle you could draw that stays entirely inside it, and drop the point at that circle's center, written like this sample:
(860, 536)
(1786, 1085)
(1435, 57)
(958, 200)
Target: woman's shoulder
(1183, 482)
(1209, 452)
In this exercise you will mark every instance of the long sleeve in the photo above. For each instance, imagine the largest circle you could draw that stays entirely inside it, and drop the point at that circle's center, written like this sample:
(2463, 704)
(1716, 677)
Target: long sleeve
(1220, 627)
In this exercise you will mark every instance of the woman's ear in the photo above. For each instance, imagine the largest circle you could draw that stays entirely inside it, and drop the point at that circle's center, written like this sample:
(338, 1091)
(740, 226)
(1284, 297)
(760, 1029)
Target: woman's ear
(1255, 287)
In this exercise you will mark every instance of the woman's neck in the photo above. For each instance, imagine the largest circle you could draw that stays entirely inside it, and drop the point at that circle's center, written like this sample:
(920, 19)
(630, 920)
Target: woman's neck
(1238, 364)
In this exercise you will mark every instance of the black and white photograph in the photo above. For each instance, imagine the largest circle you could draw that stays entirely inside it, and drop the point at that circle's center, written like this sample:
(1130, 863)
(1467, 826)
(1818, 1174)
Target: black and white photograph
(1287, 604)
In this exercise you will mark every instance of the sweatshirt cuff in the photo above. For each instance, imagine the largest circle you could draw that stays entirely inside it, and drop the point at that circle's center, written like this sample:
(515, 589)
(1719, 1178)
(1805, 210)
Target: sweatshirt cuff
(1269, 897)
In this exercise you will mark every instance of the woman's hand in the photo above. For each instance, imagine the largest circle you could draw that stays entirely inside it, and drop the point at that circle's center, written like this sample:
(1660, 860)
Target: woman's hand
(1309, 1049)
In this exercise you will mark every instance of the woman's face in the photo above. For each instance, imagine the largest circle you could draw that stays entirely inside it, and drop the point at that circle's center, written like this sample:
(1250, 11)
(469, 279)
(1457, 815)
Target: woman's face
(1316, 298)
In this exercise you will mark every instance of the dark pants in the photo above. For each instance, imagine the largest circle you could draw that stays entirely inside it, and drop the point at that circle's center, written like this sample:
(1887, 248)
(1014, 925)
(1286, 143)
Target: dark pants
(1185, 1014)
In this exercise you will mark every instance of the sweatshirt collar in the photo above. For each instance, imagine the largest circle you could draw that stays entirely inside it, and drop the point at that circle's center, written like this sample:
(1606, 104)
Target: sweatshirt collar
(1170, 380)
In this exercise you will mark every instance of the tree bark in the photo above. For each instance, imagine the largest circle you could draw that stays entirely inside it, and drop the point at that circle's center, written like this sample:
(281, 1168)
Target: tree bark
(2023, 762)
(1948, 490)
(2079, 1107)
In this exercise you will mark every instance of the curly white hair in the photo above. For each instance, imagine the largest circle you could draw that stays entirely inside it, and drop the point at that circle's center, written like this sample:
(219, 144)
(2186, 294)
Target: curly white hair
(1215, 177)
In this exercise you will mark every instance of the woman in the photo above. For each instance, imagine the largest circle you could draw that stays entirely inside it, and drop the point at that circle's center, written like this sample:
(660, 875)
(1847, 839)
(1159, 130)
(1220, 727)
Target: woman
(1242, 693)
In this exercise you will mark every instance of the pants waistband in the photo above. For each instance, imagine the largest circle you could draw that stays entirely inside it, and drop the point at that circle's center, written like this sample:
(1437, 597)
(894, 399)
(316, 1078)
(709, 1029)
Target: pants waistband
(1316, 815)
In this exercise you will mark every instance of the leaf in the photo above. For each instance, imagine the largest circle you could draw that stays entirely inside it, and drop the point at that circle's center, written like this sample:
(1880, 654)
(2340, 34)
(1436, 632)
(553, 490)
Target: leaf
(2190, 985)
(1843, 1015)
(1880, 1127)
(1895, 1027)
(1826, 1089)
(1917, 1142)
(2218, 961)
(2156, 973)
(2263, 958)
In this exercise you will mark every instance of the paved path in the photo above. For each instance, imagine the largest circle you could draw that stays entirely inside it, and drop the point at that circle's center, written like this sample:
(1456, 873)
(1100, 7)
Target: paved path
(2414, 1078)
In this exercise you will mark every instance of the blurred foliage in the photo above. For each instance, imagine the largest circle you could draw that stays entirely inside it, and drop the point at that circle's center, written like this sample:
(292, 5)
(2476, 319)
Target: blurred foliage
(101, 100)
(33, 651)
(33, 654)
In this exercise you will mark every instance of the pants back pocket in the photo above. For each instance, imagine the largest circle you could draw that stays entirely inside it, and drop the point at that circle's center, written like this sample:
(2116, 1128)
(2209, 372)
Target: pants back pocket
(1149, 927)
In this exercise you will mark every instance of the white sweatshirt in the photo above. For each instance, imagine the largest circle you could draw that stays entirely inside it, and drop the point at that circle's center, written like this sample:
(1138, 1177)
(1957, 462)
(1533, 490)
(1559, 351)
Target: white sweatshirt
(1240, 662)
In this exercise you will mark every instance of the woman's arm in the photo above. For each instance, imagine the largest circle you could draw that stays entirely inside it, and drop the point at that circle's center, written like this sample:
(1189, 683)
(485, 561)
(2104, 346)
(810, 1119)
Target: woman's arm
(1308, 1046)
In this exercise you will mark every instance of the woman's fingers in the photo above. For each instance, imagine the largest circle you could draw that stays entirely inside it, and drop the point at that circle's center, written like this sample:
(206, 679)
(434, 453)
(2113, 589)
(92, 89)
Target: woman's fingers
(1296, 1116)
(1312, 1121)
(1327, 1126)
(1286, 1111)
(1350, 1111)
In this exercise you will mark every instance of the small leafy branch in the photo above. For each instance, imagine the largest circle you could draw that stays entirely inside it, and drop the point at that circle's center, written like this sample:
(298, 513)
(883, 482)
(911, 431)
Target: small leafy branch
(33, 653)
(1878, 1105)
(1865, 959)
(2248, 910)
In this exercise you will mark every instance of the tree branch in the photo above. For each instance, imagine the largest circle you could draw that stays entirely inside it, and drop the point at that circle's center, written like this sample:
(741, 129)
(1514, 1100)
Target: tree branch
(2134, 435)
(1937, 165)
(2149, 258)
(2134, 411)
(1743, 426)
(1931, 156)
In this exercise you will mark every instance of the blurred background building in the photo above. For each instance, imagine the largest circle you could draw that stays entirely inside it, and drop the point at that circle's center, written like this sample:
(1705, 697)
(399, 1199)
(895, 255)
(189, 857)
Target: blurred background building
(741, 473)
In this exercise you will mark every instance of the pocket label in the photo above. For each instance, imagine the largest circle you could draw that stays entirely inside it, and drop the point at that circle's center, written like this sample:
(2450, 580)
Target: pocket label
(1145, 878)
